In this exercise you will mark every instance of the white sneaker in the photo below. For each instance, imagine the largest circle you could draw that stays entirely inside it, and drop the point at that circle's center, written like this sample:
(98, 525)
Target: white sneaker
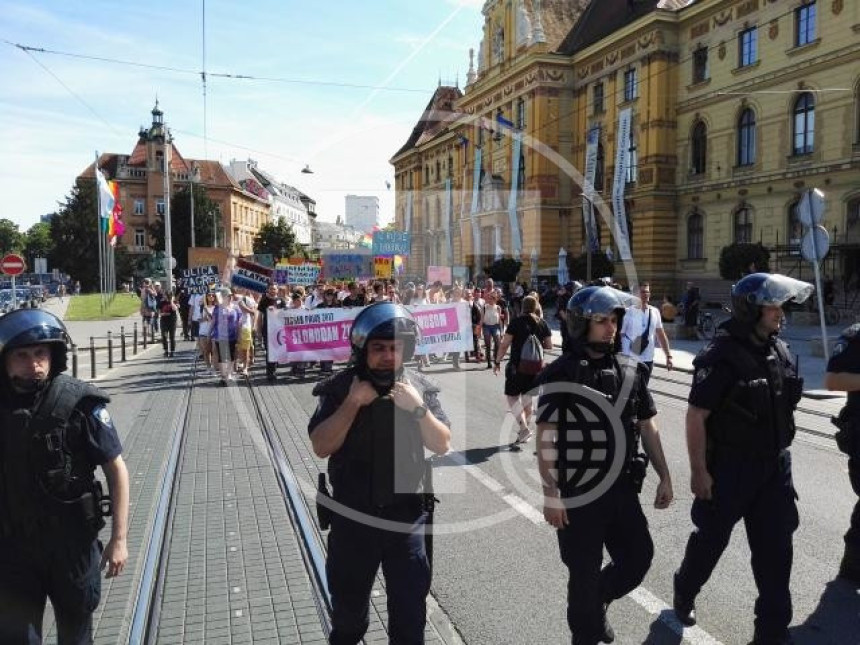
(524, 435)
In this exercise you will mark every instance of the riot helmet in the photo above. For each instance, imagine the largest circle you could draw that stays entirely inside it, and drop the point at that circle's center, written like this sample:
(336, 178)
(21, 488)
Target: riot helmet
(25, 327)
(594, 301)
(382, 321)
(387, 321)
(758, 290)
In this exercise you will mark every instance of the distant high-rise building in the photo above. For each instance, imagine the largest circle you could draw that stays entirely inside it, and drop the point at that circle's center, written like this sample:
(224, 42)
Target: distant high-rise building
(362, 212)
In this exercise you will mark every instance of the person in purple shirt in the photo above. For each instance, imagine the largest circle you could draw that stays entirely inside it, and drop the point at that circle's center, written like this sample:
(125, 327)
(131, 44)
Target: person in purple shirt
(224, 332)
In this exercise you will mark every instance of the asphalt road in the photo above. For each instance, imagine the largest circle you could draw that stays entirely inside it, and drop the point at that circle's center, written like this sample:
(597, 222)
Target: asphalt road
(498, 575)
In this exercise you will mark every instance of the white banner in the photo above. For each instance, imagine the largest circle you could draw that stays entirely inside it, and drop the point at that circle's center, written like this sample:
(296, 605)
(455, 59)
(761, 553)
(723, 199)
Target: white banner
(593, 141)
(622, 147)
(323, 334)
(516, 239)
(476, 204)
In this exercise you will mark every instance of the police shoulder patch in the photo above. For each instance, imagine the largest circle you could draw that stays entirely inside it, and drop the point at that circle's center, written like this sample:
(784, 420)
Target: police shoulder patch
(702, 373)
(101, 415)
(850, 332)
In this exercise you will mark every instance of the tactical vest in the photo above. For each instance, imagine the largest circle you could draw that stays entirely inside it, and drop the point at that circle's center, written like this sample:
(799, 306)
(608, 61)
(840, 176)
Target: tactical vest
(757, 416)
(610, 382)
(381, 462)
(47, 483)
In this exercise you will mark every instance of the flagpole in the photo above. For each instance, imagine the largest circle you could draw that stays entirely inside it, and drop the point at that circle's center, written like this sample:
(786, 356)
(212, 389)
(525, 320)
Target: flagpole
(168, 237)
(99, 229)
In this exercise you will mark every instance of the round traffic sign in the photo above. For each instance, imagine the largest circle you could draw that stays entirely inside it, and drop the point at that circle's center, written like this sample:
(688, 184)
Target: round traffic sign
(815, 244)
(811, 207)
(12, 264)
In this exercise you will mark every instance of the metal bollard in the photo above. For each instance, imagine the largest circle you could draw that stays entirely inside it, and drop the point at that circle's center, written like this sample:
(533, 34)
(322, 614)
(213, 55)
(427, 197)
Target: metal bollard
(122, 344)
(92, 357)
(74, 360)
(110, 351)
(134, 341)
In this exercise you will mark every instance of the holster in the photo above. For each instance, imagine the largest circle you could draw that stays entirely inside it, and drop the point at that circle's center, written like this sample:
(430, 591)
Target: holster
(847, 435)
(323, 500)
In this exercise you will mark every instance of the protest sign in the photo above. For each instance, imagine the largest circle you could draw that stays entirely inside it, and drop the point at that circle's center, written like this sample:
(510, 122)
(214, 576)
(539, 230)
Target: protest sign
(346, 265)
(297, 274)
(440, 274)
(390, 243)
(199, 279)
(382, 267)
(323, 334)
(248, 275)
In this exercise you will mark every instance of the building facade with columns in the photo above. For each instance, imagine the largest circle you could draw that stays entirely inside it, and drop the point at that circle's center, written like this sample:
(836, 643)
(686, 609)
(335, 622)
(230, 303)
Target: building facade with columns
(735, 107)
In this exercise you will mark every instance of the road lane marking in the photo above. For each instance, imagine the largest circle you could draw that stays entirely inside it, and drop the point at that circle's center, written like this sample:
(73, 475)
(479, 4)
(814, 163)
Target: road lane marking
(656, 607)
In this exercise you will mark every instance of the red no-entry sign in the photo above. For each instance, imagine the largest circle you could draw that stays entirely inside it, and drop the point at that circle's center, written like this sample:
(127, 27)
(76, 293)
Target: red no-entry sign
(12, 264)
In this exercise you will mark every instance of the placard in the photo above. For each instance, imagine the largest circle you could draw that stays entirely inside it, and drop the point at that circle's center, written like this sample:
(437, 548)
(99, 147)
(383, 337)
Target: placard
(199, 279)
(248, 275)
(441, 274)
(343, 266)
(298, 274)
(382, 267)
(391, 243)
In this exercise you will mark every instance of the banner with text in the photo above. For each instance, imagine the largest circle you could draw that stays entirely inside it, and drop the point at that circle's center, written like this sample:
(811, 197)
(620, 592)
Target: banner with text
(199, 279)
(323, 334)
(622, 150)
(390, 243)
(297, 274)
(248, 275)
(343, 266)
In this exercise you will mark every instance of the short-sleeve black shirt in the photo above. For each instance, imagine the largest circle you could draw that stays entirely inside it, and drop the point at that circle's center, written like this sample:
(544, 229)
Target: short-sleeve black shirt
(520, 328)
(846, 358)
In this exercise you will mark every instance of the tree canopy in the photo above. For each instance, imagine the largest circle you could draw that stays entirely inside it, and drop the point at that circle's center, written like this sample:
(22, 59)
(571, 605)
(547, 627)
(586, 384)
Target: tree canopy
(37, 240)
(11, 238)
(737, 260)
(206, 217)
(275, 238)
(601, 266)
(74, 236)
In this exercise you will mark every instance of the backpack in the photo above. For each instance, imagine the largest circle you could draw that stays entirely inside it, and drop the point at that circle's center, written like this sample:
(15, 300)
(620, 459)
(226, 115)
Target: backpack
(531, 356)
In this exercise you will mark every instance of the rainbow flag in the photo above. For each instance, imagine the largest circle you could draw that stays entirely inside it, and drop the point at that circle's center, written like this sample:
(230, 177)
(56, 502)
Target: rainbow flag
(114, 224)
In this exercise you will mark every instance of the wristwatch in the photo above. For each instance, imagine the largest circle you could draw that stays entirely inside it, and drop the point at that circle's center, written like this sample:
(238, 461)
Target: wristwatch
(420, 412)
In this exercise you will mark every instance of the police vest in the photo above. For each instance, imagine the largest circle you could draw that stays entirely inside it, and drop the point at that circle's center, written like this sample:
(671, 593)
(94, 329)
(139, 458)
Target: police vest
(381, 462)
(610, 381)
(757, 416)
(47, 484)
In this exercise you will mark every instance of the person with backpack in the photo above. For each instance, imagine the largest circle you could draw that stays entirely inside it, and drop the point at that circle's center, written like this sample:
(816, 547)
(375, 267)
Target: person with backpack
(527, 336)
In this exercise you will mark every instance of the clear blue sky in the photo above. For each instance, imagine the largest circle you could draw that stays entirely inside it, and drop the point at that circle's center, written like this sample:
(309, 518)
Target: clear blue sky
(57, 110)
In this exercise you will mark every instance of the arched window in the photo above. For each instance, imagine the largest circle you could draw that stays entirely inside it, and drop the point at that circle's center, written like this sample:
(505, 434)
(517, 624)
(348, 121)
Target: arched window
(699, 149)
(599, 168)
(804, 124)
(743, 226)
(632, 161)
(695, 236)
(746, 138)
(794, 229)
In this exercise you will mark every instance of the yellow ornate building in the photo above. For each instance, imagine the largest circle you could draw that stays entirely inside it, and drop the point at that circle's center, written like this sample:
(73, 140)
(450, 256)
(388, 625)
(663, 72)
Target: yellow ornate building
(735, 107)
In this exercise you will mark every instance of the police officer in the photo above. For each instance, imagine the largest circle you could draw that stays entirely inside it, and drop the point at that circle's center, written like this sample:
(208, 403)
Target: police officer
(55, 430)
(740, 424)
(843, 373)
(373, 421)
(593, 505)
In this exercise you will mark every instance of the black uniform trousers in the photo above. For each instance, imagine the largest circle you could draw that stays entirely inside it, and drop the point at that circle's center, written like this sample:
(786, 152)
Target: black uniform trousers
(616, 521)
(760, 491)
(852, 537)
(356, 549)
(66, 571)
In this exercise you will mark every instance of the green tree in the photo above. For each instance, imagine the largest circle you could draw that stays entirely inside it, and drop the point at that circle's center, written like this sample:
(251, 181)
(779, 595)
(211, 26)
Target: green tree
(74, 236)
(504, 270)
(206, 216)
(276, 238)
(37, 241)
(11, 238)
(737, 260)
(601, 266)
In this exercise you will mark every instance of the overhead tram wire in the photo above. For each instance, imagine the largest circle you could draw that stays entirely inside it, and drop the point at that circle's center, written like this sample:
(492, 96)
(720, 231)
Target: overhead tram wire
(197, 72)
(203, 79)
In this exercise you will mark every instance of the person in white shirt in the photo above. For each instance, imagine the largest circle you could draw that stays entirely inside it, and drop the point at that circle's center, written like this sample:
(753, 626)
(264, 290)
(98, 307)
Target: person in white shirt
(316, 298)
(641, 325)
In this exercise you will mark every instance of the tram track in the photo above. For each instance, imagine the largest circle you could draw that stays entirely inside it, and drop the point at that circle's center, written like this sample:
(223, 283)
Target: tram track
(150, 591)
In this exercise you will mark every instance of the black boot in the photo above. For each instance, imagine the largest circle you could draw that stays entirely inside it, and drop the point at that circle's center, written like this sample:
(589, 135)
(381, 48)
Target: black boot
(608, 632)
(685, 610)
(849, 569)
